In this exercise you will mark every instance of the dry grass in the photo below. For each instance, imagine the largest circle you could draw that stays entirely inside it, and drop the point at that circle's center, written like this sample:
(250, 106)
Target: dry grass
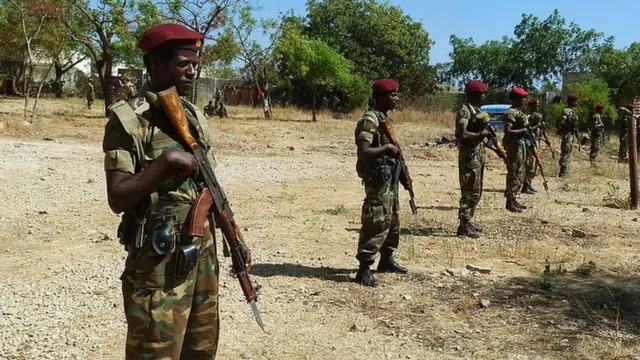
(304, 236)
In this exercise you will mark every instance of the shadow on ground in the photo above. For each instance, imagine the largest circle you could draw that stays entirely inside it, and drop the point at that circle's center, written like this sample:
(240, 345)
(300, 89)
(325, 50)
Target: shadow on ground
(303, 271)
(440, 207)
(427, 231)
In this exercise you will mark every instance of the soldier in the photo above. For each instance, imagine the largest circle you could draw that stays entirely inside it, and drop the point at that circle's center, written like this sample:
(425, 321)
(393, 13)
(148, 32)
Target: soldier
(624, 115)
(472, 135)
(210, 108)
(91, 94)
(567, 129)
(597, 131)
(376, 165)
(515, 133)
(535, 120)
(153, 180)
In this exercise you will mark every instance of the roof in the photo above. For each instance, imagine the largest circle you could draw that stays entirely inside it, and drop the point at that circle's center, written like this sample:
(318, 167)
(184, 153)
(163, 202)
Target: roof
(495, 108)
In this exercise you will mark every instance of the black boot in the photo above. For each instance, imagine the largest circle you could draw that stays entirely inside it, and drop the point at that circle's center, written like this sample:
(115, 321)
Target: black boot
(527, 188)
(389, 265)
(521, 206)
(466, 230)
(365, 276)
(475, 227)
(564, 172)
(512, 206)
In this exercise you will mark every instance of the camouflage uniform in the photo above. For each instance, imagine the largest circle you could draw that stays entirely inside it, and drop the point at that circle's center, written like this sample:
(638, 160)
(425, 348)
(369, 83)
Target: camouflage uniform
(624, 115)
(597, 128)
(567, 128)
(471, 157)
(168, 317)
(530, 165)
(380, 222)
(514, 146)
(91, 94)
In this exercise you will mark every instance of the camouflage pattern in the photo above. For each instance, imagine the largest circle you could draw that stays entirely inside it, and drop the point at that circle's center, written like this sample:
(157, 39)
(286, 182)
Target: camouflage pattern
(597, 131)
(514, 146)
(471, 158)
(566, 130)
(535, 118)
(380, 231)
(91, 94)
(624, 115)
(167, 317)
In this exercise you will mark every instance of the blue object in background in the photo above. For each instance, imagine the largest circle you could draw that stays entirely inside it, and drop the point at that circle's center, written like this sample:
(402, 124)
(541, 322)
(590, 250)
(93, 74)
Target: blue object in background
(496, 111)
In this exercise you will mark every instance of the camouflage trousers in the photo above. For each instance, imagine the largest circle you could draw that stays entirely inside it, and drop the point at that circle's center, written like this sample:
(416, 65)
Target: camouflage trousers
(515, 160)
(566, 148)
(470, 191)
(595, 145)
(624, 147)
(530, 166)
(170, 318)
(380, 231)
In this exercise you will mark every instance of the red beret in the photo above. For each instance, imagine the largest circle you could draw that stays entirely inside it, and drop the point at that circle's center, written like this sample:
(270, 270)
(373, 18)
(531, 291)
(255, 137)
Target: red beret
(572, 97)
(160, 34)
(599, 106)
(382, 86)
(519, 92)
(534, 101)
(476, 87)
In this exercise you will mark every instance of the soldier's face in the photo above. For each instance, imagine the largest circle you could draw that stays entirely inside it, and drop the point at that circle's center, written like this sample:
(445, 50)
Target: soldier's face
(179, 71)
(388, 101)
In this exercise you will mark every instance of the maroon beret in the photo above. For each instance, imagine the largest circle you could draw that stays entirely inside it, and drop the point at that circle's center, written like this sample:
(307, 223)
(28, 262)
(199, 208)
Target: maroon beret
(599, 106)
(573, 97)
(382, 86)
(476, 87)
(182, 37)
(534, 101)
(519, 92)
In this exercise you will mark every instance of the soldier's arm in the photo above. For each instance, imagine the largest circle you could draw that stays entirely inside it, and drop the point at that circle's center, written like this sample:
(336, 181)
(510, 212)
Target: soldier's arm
(509, 121)
(365, 138)
(462, 124)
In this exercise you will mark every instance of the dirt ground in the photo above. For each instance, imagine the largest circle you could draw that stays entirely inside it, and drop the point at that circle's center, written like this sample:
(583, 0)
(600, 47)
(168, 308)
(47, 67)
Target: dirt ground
(564, 275)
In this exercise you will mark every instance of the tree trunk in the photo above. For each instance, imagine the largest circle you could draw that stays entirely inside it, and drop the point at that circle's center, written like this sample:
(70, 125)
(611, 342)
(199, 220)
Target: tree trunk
(104, 73)
(35, 102)
(25, 90)
(313, 105)
(57, 84)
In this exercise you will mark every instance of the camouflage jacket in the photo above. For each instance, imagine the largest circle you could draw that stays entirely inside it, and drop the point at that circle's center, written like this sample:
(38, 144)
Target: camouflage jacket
(536, 118)
(624, 115)
(471, 155)
(369, 129)
(569, 122)
(518, 120)
(597, 125)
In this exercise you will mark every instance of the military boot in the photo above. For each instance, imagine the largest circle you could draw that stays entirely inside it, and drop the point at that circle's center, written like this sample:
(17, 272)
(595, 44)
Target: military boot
(512, 205)
(527, 188)
(564, 172)
(521, 206)
(466, 230)
(365, 276)
(477, 228)
(388, 264)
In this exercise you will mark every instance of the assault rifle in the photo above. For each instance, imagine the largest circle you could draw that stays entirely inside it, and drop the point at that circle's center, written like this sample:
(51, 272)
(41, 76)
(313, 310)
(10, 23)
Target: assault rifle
(211, 200)
(404, 177)
(534, 152)
(546, 140)
(494, 140)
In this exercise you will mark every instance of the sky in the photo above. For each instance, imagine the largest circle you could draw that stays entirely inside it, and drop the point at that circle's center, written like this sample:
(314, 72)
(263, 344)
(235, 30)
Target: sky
(493, 19)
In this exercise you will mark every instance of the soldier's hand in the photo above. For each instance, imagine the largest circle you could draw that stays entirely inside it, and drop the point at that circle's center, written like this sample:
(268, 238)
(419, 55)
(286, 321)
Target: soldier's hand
(181, 163)
(485, 133)
(391, 150)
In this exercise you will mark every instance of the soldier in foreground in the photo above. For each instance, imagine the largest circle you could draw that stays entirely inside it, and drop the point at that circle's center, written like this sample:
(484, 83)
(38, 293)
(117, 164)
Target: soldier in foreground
(154, 181)
(624, 115)
(597, 131)
(377, 160)
(473, 134)
(567, 129)
(515, 133)
(535, 121)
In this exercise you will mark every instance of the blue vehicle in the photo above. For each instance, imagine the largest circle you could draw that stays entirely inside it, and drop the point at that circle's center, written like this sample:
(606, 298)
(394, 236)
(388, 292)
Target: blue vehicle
(496, 111)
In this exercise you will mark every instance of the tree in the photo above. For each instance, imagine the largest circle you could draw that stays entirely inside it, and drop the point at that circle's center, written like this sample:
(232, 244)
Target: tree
(619, 68)
(378, 38)
(319, 66)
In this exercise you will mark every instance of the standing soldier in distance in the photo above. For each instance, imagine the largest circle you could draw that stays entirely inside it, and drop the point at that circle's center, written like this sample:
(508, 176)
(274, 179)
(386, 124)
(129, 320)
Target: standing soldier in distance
(376, 165)
(154, 181)
(567, 129)
(624, 115)
(535, 120)
(91, 94)
(472, 134)
(597, 130)
(515, 133)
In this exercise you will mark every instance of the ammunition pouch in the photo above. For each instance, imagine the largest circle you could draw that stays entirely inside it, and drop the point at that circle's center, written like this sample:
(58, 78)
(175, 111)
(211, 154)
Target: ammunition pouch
(381, 173)
(186, 259)
(131, 231)
(162, 236)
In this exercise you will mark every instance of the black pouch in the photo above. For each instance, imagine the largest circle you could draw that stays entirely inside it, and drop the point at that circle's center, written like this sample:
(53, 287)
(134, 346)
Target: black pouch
(130, 231)
(186, 259)
(162, 237)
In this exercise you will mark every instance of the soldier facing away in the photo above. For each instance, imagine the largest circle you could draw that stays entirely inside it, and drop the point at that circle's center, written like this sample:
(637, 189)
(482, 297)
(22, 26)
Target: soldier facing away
(624, 115)
(472, 135)
(567, 129)
(377, 164)
(515, 133)
(536, 121)
(597, 131)
(153, 180)
(91, 94)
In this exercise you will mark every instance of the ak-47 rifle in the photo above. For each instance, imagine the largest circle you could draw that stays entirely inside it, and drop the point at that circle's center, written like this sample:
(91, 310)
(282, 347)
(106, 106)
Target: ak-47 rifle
(212, 199)
(546, 140)
(534, 152)
(494, 140)
(405, 178)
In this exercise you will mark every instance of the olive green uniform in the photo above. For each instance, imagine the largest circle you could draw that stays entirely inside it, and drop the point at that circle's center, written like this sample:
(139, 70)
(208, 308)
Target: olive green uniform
(624, 116)
(471, 158)
(168, 317)
(597, 129)
(380, 231)
(535, 118)
(515, 148)
(91, 95)
(567, 129)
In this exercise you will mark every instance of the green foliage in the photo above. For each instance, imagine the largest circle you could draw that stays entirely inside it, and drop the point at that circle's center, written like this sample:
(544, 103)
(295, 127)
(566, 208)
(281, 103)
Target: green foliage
(594, 91)
(620, 68)
(378, 38)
